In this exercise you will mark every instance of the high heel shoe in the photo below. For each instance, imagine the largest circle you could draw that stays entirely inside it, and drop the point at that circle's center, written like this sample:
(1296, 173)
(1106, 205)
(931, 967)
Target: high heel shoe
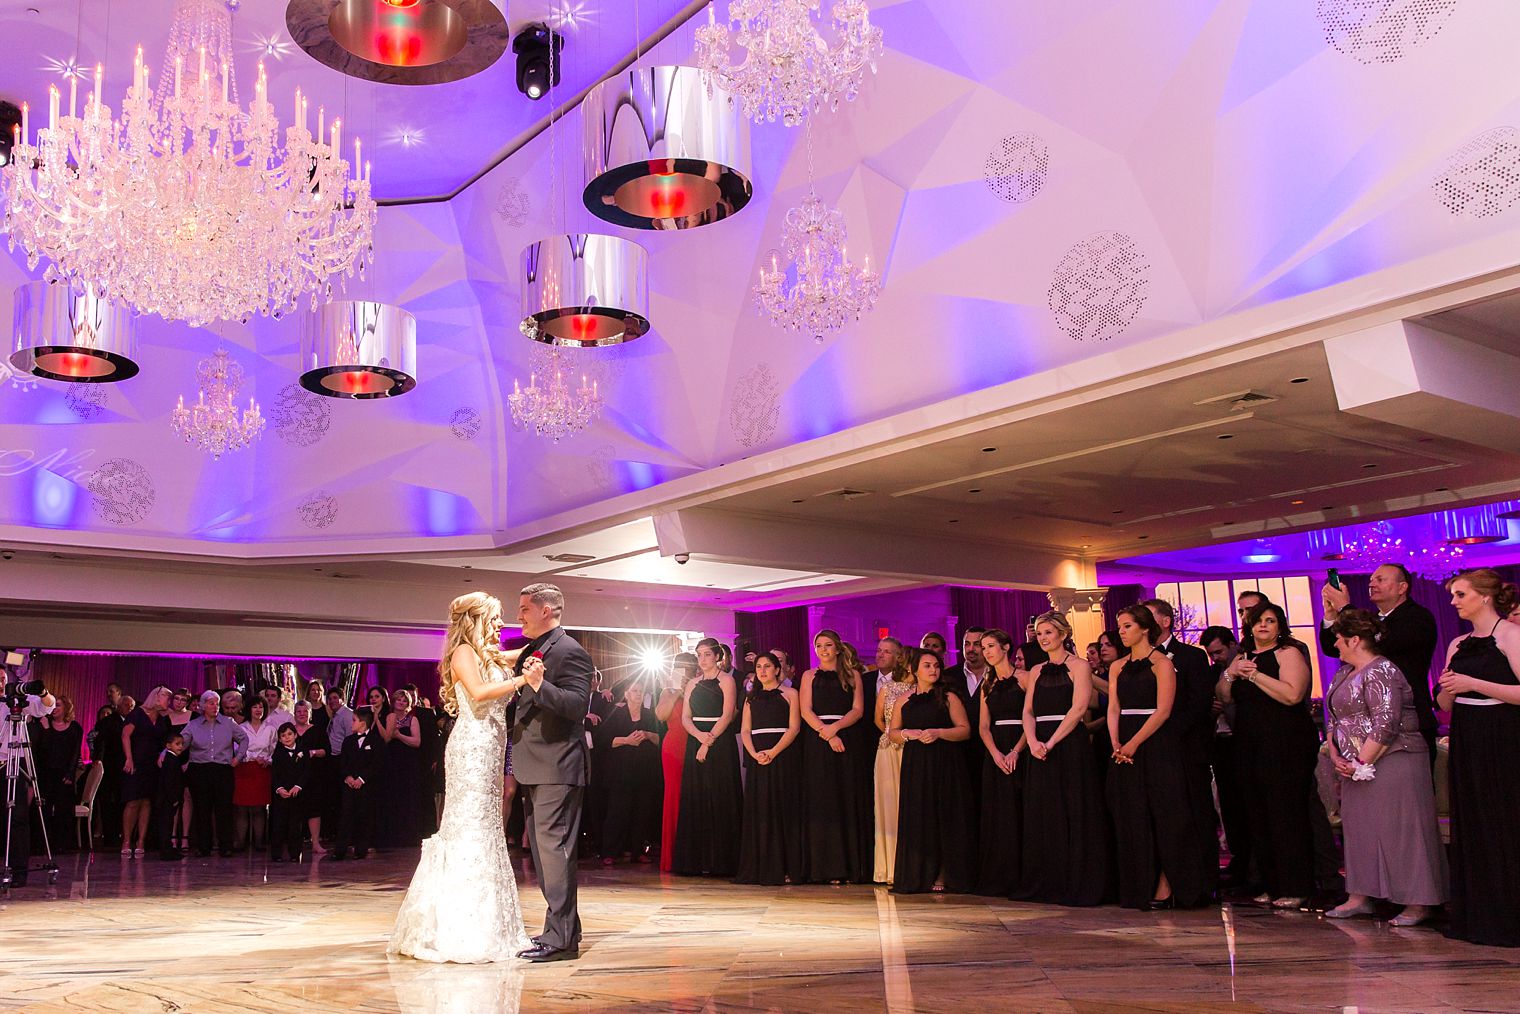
(1164, 904)
(1287, 903)
(1348, 913)
(1405, 919)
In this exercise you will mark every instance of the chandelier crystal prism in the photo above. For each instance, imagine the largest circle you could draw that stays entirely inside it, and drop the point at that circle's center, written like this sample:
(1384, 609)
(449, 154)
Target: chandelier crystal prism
(214, 423)
(553, 409)
(186, 205)
(818, 290)
(789, 71)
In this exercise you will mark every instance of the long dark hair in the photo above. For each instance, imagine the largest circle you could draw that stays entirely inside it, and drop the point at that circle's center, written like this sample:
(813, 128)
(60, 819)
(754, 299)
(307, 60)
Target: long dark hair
(917, 655)
(845, 673)
(754, 686)
(1005, 641)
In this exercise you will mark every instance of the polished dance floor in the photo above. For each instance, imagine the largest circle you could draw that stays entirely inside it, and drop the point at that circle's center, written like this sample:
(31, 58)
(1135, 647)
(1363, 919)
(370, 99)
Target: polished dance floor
(242, 935)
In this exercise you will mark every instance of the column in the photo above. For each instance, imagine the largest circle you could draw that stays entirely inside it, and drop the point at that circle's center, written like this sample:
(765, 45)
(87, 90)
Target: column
(952, 640)
(814, 625)
(1084, 609)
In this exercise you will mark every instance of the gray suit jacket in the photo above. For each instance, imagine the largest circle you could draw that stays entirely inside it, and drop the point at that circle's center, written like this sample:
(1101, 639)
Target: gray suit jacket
(549, 735)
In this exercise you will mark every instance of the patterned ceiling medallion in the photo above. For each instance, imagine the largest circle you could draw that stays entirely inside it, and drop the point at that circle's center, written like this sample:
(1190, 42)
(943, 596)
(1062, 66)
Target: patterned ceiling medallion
(124, 492)
(318, 511)
(86, 401)
(512, 204)
(1099, 287)
(1015, 170)
(465, 423)
(299, 417)
(755, 409)
(1482, 178)
(1382, 31)
(601, 467)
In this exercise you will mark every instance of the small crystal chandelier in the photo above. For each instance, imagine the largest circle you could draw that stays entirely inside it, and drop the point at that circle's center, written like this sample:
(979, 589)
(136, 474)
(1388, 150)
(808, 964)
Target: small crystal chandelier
(819, 289)
(788, 70)
(214, 423)
(185, 205)
(1379, 543)
(554, 410)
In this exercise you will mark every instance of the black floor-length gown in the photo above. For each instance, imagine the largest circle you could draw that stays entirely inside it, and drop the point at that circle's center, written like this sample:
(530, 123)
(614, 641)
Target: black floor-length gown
(635, 783)
(707, 830)
(1485, 803)
(1001, 826)
(1066, 860)
(831, 786)
(771, 850)
(401, 810)
(935, 836)
(1278, 748)
(1149, 801)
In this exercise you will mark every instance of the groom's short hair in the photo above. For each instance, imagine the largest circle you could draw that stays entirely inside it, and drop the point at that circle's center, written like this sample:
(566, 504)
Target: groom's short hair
(546, 595)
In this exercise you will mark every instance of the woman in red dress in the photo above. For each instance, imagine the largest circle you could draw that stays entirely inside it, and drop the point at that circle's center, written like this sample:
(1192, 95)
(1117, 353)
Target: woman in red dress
(673, 752)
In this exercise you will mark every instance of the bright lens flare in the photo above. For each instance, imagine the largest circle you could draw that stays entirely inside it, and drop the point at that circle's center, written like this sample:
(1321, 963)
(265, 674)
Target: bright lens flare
(654, 660)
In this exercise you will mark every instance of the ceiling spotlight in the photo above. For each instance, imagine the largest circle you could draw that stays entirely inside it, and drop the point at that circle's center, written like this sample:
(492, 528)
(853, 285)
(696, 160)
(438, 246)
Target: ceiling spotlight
(537, 48)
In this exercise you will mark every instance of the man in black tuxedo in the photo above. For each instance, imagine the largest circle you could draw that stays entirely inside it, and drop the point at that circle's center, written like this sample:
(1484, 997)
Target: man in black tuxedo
(359, 765)
(965, 677)
(1193, 718)
(1409, 635)
(549, 759)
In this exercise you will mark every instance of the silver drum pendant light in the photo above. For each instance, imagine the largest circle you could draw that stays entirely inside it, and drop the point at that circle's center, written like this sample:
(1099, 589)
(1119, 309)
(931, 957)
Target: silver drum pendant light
(359, 349)
(661, 152)
(585, 290)
(78, 338)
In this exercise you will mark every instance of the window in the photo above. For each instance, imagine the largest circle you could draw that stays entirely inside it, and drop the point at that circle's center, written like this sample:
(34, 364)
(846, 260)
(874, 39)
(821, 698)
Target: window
(1201, 604)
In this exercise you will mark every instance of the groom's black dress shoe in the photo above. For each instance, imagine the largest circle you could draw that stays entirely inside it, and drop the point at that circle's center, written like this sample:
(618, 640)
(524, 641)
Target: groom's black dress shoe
(543, 952)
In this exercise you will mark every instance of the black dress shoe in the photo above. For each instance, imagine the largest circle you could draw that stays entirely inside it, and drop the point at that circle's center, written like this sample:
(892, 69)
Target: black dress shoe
(540, 953)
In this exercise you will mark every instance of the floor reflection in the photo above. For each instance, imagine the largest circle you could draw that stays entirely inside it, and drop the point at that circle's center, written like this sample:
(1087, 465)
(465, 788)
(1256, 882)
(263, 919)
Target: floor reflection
(422, 987)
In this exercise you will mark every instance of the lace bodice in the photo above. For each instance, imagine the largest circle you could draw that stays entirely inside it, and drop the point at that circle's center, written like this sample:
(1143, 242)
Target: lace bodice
(462, 905)
(892, 695)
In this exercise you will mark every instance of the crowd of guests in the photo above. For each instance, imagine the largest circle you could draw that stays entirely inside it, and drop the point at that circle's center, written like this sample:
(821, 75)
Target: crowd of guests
(1028, 770)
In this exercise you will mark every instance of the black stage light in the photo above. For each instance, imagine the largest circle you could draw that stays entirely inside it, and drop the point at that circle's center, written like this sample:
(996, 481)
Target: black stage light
(10, 121)
(537, 50)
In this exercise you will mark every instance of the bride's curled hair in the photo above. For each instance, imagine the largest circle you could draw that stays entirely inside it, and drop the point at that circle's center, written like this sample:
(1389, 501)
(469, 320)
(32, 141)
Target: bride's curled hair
(472, 623)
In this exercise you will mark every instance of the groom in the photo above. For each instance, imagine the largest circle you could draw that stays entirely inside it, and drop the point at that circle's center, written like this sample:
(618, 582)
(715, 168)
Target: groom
(550, 763)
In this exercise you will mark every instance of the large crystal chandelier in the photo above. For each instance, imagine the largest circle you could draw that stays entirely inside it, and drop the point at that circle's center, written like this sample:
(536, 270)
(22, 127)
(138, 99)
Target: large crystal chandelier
(1380, 543)
(818, 289)
(185, 205)
(788, 69)
(553, 409)
(214, 423)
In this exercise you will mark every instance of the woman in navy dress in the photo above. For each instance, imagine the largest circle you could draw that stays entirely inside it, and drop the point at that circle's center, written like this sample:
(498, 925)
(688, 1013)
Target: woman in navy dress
(1001, 720)
(1066, 860)
(707, 831)
(1160, 865)
(832, 704)
(935, 848)
(1480, 688)
(771, 849)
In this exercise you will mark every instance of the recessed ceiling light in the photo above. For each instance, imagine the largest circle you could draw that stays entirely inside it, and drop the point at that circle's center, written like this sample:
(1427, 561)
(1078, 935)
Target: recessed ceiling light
(1299, 380)
(1369, 465)
(1226, 436)
(1295, 502)
(1142, 537)
(466, 566)
(1443, 489)
(988, 450)
(1327, 508)
(975, 489)
(954, 521)
(1119, 511)
(796, 501)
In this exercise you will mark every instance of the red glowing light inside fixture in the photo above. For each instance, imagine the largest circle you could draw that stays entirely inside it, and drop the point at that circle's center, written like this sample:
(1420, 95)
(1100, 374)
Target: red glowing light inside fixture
(583, 328)
(398, 47)
(401, 3)
(356, 382)
(667, 194)
(75, 364)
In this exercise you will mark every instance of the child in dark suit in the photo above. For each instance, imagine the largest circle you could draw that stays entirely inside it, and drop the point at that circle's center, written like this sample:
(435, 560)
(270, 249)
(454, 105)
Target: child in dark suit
(287, 813)
(169, 794)
(359, 764)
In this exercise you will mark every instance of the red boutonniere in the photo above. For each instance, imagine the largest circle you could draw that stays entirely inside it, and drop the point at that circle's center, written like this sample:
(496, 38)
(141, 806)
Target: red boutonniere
(538, 655)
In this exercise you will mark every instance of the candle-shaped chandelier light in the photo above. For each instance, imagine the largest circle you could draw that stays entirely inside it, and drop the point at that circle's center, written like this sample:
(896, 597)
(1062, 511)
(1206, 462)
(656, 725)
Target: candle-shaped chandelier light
(186, 205)
(76, 337)
(214, 423)
(554, 408)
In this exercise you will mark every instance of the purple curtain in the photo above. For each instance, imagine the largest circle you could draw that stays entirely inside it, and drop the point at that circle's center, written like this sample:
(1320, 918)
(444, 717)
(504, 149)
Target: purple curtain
(1008, 610)
(786, 629)
(1119, 598)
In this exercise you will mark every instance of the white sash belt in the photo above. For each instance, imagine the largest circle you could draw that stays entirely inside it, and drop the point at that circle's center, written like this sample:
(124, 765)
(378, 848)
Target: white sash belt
(1049, 718)
(756, 732)
(696, 719)
(1481, 703)
(1011, 721)
(1137, 711)
(829, 718)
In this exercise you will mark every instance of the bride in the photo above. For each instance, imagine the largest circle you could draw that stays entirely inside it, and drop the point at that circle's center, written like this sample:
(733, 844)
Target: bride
(462, 905)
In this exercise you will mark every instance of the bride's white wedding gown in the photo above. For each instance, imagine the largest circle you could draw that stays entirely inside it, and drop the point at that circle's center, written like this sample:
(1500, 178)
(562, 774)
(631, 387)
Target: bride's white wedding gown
(462, 905)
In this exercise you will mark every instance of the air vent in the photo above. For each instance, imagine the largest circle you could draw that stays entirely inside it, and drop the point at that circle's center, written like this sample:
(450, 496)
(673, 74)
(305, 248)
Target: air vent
(1239, 401)
(569, 557)
(845, 493)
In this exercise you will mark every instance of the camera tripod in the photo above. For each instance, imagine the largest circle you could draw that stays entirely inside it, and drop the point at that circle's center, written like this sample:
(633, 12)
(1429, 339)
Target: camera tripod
(20, 762)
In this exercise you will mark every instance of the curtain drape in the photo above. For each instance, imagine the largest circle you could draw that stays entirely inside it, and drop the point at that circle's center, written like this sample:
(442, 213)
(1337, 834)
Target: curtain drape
(1007, 610)
(785, 629)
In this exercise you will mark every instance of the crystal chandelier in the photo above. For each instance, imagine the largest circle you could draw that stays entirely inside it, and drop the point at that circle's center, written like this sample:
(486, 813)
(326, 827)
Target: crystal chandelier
(214, 423)
(1379, 543)
(788, 70)
(185, 205)
(554, 410)
(819, 289)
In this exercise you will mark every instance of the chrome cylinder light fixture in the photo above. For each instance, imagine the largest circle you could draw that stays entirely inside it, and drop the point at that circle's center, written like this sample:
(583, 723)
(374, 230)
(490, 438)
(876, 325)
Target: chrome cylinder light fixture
(408, 42)
(1473, 526)
(663, 151)
(585, 290)
(75, 337)
(359, 349)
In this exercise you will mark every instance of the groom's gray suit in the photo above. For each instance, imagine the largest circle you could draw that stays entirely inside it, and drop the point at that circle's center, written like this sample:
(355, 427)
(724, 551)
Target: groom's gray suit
(550, 763)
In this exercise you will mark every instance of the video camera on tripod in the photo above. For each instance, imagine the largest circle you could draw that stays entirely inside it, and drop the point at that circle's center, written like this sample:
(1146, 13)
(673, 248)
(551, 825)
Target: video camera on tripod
(18, 772)
(15, 692)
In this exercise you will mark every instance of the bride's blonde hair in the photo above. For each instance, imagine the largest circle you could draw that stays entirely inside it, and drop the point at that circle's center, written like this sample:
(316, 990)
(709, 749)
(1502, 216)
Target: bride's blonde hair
(470, 619)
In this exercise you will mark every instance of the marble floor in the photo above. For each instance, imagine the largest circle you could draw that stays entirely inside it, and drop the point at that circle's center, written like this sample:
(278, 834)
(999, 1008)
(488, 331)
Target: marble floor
(239, 934)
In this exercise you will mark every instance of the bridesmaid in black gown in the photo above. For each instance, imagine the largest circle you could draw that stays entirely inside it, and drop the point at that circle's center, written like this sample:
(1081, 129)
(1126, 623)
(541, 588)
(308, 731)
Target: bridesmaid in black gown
(832, 704)
(630, 738)
(1001, 721)
(707, 830)
(935, 848)
(1066, 860)
(771, 849)
(1278, 748)
(1485, 786)
(1160, 865)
